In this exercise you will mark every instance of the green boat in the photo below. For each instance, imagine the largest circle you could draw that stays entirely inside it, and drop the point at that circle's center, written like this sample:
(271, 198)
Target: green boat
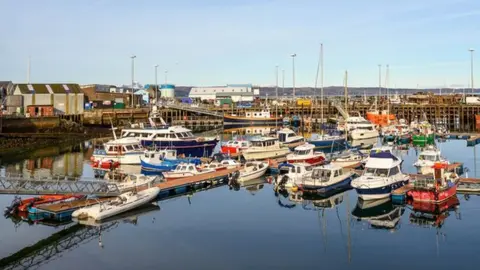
(422, 138)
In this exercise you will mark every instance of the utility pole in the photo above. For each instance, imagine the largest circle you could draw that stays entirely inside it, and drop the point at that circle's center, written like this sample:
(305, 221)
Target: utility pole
(133, 75)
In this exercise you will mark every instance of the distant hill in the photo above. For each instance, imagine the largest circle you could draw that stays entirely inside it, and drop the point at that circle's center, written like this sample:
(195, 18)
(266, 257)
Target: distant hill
(183, 91)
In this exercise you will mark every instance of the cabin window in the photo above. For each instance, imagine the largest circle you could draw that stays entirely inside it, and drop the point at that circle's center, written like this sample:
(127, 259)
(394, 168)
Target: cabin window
(381, 172)
(124, 149)
(393, 171)
(437, 158)
(109, 149)
(190, 168)
(130, 147)
(298, 170)
(336, 173)
(115, 149)
(308, 168)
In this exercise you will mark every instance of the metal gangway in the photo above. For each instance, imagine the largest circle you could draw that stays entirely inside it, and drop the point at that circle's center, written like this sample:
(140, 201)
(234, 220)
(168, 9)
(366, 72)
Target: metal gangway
(195, 108)
(18, 184)
(340, 109)
(53, 247)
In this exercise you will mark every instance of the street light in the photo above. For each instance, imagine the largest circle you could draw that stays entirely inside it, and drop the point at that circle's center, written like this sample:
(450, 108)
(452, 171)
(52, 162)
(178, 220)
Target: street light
(166, 75)
(283, 81)
(276, 93)
(379, 81)
(133, 73)
(156, 85)
(471, 68)
(293, 72)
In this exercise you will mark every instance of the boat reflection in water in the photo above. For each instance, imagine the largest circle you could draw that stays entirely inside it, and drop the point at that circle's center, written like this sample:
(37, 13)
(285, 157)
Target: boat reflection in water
(380, 214)
(364, 143)
(127, 217)
(427, 214)
(252, 186)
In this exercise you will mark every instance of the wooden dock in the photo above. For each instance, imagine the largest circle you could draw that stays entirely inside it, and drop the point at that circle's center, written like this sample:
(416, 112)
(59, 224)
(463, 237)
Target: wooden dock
(58, 208)
(192, 180)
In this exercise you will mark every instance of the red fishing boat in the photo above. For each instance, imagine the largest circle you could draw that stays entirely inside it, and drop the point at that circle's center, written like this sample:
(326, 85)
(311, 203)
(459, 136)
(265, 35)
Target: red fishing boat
(235, 147)
(306, 154)
(437, 189)
(105, 164)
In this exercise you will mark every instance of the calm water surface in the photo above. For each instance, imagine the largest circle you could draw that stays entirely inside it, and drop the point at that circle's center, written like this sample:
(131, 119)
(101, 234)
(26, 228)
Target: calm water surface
(251, 228)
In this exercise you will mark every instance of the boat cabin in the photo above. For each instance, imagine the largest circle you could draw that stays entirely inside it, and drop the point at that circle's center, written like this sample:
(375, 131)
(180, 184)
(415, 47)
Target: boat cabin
(263, 114)
(237, 144)
(121, 147)
(264, 142)
(430, 155)
(304, 150)
(161, 154)
(186, 167)
(297, 168)
(326, 173)
(285, 134)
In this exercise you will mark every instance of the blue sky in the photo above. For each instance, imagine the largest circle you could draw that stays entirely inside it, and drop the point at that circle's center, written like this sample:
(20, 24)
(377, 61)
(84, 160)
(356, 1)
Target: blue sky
(215, 42)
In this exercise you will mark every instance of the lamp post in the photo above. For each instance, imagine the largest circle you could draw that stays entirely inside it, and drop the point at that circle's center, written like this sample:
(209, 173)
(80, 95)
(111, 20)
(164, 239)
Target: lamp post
(293, 73)
(471, 68)
(156, 85)
(166, 76)
(133, 73)
(379, 81)
(283, 81)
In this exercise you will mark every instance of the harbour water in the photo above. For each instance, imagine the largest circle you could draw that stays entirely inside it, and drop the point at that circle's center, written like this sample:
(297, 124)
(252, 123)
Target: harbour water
(249, 228)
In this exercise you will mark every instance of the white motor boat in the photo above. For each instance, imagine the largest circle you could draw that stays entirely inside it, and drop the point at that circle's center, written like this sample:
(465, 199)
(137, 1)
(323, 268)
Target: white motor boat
(306, 154)
(381, 176)
(348, 159)
(289, 138)
(264, 148)
(124, 151)
(359, 128)
(121, 204)
(185, 170)
(427, 158)
(290, 174)
(253, 170)
(326, 179)
(133, 181)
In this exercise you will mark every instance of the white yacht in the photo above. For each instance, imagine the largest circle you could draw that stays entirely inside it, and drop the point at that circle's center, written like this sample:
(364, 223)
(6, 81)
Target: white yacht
(359, 128)
(264, 148)
(161, 136)
(123, 151)
(381, 176)
(427, 158)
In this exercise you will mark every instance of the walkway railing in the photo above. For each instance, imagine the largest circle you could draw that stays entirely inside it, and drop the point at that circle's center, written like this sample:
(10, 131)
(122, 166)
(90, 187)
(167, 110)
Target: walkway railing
(17, 184)
(193, 108)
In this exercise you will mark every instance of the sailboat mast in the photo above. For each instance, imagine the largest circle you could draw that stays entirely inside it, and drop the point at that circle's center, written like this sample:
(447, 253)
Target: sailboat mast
(321, 85)
(387, 81)
(379, 83)
(346, 91)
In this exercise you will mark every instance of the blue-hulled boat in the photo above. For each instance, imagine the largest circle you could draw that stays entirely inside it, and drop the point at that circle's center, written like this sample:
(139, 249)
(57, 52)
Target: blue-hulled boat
(327, 141)
(163, 161)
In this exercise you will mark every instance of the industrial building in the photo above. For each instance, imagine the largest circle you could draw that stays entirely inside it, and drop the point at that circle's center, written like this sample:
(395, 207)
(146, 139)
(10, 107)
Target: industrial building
(236, 92)
(111, 93)
(50, 99)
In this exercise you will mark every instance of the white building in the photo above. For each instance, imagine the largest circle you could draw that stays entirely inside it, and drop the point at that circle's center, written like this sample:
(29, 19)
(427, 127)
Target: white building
(237, 92)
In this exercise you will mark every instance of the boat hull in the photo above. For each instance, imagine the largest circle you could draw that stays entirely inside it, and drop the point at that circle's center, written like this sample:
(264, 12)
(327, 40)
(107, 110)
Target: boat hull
(378, 192)
(327, 143)
(259, 155)
(343, 184)
(421, 138)
(315, 160)
(247, 176)
(189, 148)
(127, 159)
(433, 196)
(360, 135)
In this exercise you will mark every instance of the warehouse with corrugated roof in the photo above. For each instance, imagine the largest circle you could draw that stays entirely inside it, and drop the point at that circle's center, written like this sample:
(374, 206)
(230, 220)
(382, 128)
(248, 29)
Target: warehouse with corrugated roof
(51, 99)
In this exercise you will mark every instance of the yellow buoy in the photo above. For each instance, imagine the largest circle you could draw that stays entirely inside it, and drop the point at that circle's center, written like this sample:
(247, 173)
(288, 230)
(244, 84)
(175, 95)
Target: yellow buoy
(295, 189)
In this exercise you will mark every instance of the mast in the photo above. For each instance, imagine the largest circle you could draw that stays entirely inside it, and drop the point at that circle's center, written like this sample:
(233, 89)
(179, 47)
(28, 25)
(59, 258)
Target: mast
(379, 84)
(346, 91)
(321, 86)
(387, 81)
